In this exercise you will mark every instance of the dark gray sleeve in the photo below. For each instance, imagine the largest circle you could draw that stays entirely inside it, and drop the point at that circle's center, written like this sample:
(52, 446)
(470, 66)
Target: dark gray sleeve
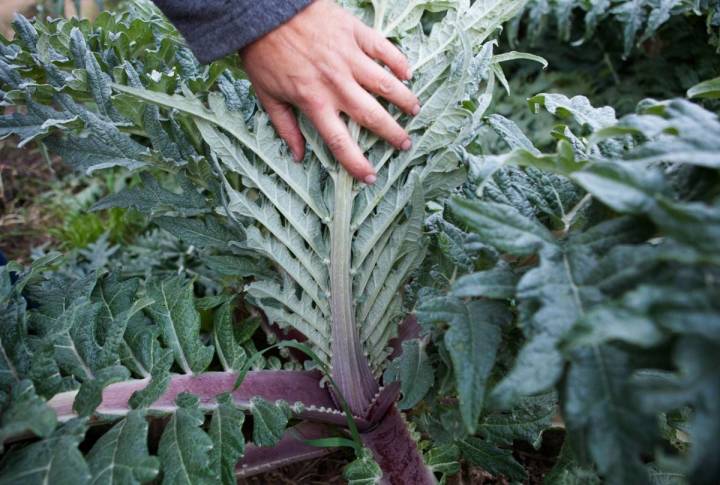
(215, 28)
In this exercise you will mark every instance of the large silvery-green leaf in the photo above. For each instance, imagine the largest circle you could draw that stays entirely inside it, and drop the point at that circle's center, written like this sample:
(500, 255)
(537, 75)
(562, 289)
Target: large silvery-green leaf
(578, 107)
(705, 89)
(345, 250)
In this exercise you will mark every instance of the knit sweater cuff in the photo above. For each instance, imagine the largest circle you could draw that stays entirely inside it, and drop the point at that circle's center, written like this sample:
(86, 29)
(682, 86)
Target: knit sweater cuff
(212, 34)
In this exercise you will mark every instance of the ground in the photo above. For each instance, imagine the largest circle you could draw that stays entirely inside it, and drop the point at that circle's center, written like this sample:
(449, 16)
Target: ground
(25, 176)
(327, 470)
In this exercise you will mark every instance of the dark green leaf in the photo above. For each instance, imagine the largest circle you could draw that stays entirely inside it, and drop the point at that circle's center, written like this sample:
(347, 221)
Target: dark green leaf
(695, 383)
(204, 233)
(526, 421)
(444, 459)
(151, 198)
(26, 412)
(227, 339)
(121, 455)
(596, 403)
(499, 282)
(269, 421)
(472, 341)
(414, 372)
(159, 381)
(228, 440)
(363, 471)
(495, 460)
(185, 449)
(706, 89)
(55, 459)
(501, 226)
(174, 311)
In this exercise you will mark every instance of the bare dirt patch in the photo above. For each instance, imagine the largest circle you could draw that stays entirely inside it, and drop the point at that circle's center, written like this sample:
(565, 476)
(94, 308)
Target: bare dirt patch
(24, 218)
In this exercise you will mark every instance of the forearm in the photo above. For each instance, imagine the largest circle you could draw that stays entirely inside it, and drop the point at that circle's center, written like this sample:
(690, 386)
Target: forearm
(215, 28)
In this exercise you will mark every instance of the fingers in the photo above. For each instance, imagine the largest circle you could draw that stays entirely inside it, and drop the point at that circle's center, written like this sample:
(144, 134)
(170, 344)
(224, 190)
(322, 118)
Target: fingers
(367, 112)
(379, 81)
(378, 47)
(337, 137)
(286, 125)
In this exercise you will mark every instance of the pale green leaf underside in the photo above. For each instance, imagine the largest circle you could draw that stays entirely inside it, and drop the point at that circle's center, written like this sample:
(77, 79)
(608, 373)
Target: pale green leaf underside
(293, 205)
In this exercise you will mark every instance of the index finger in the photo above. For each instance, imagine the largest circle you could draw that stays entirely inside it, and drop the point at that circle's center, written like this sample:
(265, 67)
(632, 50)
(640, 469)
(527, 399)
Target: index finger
(334, 131)
(378, 47)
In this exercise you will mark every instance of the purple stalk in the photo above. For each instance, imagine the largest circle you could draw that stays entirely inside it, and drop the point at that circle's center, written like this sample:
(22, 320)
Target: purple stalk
(382, 402)
(388, 437)
(396, 452)
(291, 449)
(350, 368)
(407, 330)
(291, 386)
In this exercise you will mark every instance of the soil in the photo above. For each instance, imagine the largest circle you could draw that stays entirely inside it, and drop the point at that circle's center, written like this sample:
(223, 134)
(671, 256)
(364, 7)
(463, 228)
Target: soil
(538, 463)
(322, 471)
(328, 470)
(24, 176)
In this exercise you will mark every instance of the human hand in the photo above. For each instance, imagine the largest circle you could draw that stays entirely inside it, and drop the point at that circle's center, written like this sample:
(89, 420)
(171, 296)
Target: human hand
(322, 61)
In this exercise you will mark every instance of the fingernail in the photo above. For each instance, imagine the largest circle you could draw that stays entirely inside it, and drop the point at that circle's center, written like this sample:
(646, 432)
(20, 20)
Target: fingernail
(416, 109)
(406, 144)
(409, 74)
(370, 179)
